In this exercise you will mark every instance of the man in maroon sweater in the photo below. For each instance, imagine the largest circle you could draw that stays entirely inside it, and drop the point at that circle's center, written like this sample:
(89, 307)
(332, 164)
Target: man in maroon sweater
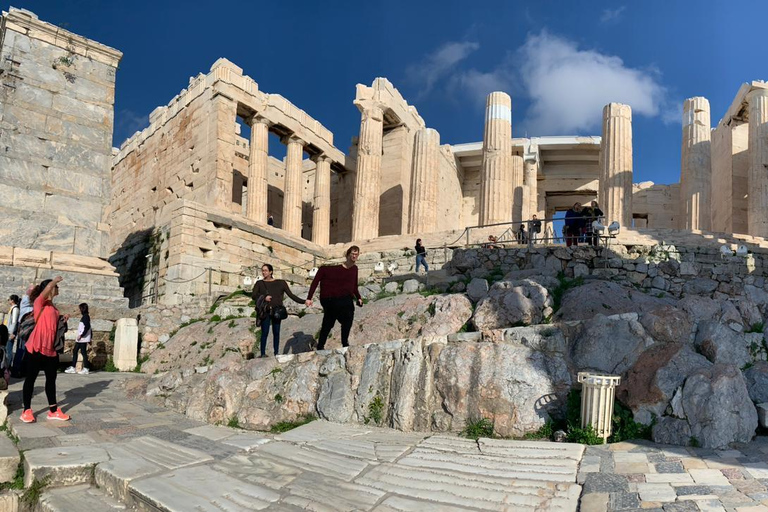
(337, 295)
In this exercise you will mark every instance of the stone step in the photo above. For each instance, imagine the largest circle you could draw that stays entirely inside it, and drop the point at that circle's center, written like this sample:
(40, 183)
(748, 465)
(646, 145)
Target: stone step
(62, 466)
(9, 457)
(79, 498)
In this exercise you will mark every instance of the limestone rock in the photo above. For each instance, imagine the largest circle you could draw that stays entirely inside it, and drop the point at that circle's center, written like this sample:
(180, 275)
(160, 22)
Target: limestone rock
(721, 344)
(335, 402)
(700, 308)
(762, 414)
(410, 286)
(391, 287)
(607, 298)
(717, 408)
(515, 387)
(750, 313)
(512, 303)
(757, 382)
(610, 344)
(668, 324)
(477, 289)
(659, 371)
(699, 286)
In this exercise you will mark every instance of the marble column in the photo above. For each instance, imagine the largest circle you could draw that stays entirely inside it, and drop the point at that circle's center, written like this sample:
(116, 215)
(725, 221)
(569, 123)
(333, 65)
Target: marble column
(696, 166)
(757, 198)
(496, 173)
(292, 192)
(517, 189)
(321, 211)
(530, 189)
(258, 165)
(422, 213)
(616, 164)
(365, 200)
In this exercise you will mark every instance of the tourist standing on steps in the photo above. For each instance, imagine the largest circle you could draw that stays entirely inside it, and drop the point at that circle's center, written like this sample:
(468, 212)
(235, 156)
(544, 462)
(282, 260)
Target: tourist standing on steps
(573, 223)
(82, 341)
(26, 324)
(41, 354)
(338, 293)
(268, 295)
(13, 324)
(421, 256)
(535, 229)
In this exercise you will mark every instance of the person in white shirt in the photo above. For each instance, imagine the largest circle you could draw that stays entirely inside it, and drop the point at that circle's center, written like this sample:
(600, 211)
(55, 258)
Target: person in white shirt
(81, 342)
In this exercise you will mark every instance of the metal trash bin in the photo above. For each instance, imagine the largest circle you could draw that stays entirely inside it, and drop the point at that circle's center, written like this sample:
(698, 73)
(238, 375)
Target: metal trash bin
(597, 396)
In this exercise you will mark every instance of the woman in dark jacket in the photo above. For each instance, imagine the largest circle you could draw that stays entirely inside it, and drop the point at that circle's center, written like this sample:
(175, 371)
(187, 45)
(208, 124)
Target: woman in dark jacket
(268, 295)
(573, 224)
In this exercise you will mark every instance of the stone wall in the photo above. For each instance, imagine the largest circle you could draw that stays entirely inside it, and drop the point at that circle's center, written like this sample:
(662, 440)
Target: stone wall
(655, 206)
(660, 269)
(56, 117)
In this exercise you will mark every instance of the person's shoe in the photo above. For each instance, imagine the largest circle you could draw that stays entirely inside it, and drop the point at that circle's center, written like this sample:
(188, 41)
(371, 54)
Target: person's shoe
(27, 416)
(71, 369)
(58, 415)
(84, 371)
(262, 356)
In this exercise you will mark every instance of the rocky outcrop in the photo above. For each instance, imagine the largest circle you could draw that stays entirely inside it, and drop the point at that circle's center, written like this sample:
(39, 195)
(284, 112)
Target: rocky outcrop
(596, 297)
(512, 303)
(721, 344)
(757, 382)
(714, 410)
(422, 384)
(610, 344)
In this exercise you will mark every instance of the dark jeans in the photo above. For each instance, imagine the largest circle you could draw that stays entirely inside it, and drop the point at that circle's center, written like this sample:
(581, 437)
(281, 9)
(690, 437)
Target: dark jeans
(17, 369)
(572, 234)
(275, 334)
(83, 348)
(336, 308)
(421, 260)
(33, 363)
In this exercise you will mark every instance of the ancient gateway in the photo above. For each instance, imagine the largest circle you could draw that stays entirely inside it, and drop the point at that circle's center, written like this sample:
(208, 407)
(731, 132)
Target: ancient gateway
(181, 209)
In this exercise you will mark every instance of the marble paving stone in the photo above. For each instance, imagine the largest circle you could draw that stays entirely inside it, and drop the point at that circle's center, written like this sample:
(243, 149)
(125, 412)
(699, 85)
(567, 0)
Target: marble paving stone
(757, 470)
(202, 489)
(400, 504)
(246, 441)
(258, 469)
(212, 432)
(623, 500)
(65, 465)
(708, 477)
(123, 467)
(312, 490)
(594, 502)
(166, 454)
(319, 430)
(623, 468)
(670, 478)
(344, 468)
(669, 467)
(656, 492)
(605, 482)
(681, 506)
(78, 497)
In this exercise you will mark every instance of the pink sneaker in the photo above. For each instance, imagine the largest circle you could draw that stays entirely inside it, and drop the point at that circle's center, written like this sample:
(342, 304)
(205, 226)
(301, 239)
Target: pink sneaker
(58, 415)
(27, 416)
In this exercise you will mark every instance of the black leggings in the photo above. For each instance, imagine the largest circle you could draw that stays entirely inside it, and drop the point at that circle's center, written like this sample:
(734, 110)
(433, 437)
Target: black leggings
(336, 308)
(33, 363)
(82, 348)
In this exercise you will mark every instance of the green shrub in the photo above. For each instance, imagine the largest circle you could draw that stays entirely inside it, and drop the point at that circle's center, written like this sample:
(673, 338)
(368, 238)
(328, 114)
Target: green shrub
(375, 409)
(233, 422)
(757, 327)
(694, 442)
(564, 284)
(545, 432)
(214, 319)
(285, 426)
(477, 428)
(139, 362)
(586, 435)
(279, 398)
(625, 427)
(32, 495)
(110, 366)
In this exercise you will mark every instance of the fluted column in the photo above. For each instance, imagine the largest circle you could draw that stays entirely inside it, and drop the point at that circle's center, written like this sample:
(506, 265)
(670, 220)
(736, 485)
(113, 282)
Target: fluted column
(696, 166)
(321, 211)
(517, 189)
(292, 192)
(496, 173)
(422, 213)
(258, 165)
(530, 189)
(616, 164)
(365, 201)
(757, 199)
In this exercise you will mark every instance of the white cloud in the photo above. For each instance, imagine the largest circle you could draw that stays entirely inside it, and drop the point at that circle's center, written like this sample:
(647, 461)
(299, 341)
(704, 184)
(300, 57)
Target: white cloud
(568, 87)
(438, 65)
(612, 15)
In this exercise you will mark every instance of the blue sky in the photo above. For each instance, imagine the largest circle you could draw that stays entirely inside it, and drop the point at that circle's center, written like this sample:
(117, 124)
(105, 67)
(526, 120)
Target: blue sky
(560, 60)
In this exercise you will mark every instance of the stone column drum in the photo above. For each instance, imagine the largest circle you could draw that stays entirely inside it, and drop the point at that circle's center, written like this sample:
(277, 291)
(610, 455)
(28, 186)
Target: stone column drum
(696, 166)
(321, 212)
(422, 215)
(616, 164)
(517, 189)
(757, 199)
(530, 189)
(496, 171)
(365, 201)
(257, 170)
(293, 190)
(126, 348)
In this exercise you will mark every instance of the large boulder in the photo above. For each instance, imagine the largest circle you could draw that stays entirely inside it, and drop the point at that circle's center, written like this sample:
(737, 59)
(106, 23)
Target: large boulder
(721, 344)
(609, 344)
(757, 382)
(477, 289)
(700, 308)
(515, 387)
(659, 371)
(716, 410)
(668, 323)
(511, 303)
(606, 298)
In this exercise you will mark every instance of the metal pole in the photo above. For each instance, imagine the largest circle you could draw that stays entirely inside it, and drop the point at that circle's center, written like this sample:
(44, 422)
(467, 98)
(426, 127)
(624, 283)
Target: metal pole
(468, 235)
(530, 234)
(210, 280)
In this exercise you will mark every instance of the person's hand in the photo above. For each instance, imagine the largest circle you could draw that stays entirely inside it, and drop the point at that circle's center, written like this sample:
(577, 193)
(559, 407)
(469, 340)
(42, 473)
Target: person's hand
(359, 302)
(66, 318)
(57, 279)
(308, 303)
(77, 339)
(268, 298)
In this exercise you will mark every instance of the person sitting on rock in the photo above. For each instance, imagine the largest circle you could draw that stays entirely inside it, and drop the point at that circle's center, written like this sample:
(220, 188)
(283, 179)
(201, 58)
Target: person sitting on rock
(268, 295)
